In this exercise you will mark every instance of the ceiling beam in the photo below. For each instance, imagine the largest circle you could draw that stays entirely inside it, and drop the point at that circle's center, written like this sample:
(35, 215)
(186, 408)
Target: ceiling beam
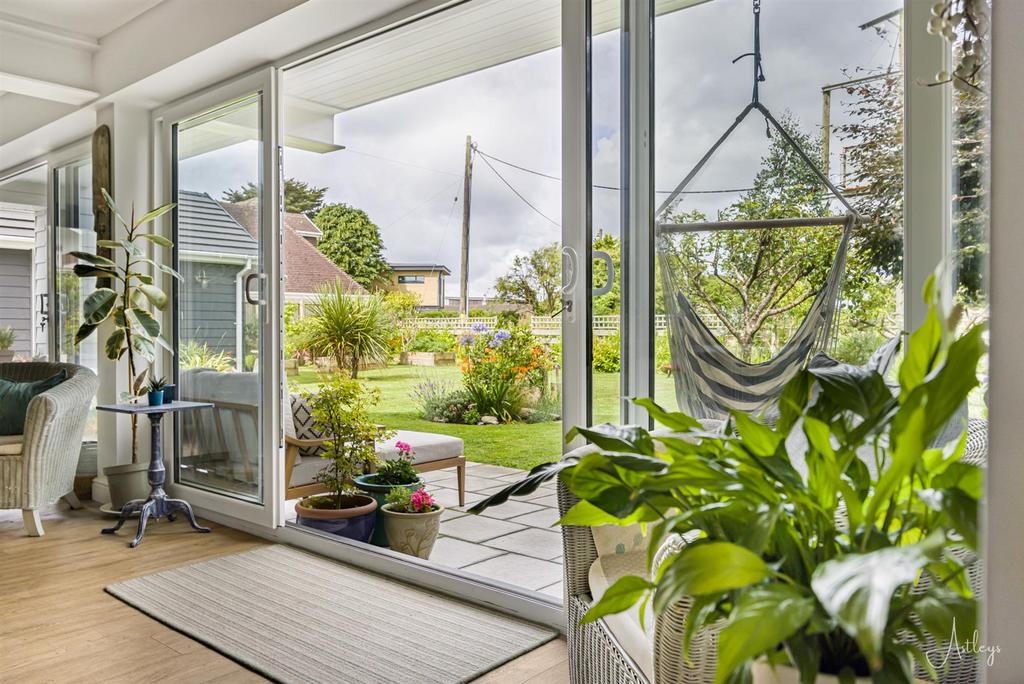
(45, 90)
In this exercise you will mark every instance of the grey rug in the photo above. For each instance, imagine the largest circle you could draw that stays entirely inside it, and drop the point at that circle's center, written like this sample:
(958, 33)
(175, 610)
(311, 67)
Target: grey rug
(296, 617)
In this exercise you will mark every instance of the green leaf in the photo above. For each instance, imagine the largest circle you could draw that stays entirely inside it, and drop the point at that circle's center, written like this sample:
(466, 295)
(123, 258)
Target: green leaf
(528, 485)
(145, 321)
(89, 271)
(949, 388)
(619, 438)
(625, 592)
(747, 636)
(144, 347)
(709, 568)
(908, 451)
(853, 388)
(793, 400)
(758, 438)
(98, 305)
(115, 346)
(94, 259)
(113, 207)
(154, 214)
(946, 615)
(84, 331)
(920, 352)
(157, 239)
(154, 294)
(586, 514)
(109, 244)
(679, 422)
(962, 511)
(856, 589)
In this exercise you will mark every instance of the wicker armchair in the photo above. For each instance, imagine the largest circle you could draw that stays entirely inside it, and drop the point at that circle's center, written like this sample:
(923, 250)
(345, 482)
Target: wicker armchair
(596, 657)
(38, 467)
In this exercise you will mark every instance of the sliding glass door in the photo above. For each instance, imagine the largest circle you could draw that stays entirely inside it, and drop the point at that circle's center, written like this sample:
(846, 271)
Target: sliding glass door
(225, 317)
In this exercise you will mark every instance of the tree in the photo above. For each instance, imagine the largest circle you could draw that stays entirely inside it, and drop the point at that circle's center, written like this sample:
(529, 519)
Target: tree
(534, 279)
(759, 283)
(299, 197)
(353, 242)
(875, 141)
(350, 328)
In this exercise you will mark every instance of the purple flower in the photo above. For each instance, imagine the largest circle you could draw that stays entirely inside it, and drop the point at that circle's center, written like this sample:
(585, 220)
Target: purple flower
(466, 340)
(500, 336)
(479, 327)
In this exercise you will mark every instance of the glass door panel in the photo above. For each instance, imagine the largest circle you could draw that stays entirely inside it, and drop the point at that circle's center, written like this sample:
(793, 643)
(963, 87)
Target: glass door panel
(218, 309)
(73, 231)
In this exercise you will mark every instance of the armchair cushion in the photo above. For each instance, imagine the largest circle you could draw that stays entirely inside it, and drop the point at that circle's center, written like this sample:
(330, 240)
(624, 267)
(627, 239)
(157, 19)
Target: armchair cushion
(11, 445)
(16, 396)
(634, 636)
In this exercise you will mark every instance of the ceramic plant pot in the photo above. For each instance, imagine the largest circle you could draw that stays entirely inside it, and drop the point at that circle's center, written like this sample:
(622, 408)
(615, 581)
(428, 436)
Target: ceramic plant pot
(168, 394)
(353, 521)
(156, 397)
(127, 482)
(764, 673)
(368, 483)
(413, 534)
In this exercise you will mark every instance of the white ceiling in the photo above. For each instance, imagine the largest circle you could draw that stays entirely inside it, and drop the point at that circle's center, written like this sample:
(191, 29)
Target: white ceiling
(90, 18)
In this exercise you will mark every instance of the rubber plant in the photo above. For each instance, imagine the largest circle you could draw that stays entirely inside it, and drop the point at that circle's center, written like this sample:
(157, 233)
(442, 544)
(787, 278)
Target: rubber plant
(828, 568)
(130, 303)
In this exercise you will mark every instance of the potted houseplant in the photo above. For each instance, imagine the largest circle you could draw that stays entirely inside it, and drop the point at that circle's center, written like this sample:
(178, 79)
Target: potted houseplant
(128, 303)
(340, 411)
(155, 391)
(412, 521)
(7, 337)
(836, 568)
(390, 474)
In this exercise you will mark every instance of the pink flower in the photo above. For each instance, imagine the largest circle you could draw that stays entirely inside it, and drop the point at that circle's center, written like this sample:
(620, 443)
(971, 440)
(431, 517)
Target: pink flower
(421, 501)
(404, 448)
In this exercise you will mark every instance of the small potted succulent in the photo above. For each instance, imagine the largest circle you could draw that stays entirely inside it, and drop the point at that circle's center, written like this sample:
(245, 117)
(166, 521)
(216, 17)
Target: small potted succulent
(341, 413)
(7, 337)
(412, 521)
(155, 391)
(397, 472)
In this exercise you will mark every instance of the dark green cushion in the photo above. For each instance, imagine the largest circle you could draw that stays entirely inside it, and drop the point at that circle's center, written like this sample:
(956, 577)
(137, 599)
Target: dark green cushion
(15, 397)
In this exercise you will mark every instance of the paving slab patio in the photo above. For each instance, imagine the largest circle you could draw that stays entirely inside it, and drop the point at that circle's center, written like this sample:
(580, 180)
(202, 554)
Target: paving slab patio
(523, 571)
(532, 541)
(456, 553)
(476, 528)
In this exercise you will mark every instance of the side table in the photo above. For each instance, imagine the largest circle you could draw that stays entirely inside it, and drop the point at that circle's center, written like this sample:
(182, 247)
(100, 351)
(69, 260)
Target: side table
(158, 504)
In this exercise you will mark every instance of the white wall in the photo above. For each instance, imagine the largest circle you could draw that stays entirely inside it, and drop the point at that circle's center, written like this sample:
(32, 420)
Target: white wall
(1004, 529)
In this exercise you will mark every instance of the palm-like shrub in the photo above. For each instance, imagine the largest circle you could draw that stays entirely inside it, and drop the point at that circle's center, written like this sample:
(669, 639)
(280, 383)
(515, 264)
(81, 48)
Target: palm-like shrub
(7, 337)
(350, 328)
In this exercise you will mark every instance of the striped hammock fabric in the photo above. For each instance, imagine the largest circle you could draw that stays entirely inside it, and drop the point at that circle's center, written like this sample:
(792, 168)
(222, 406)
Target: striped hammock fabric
(710, 381)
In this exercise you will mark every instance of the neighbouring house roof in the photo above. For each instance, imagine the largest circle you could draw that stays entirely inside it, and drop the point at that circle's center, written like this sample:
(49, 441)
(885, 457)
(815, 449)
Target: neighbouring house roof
(203, 226)
(305, 267)
(405, 268)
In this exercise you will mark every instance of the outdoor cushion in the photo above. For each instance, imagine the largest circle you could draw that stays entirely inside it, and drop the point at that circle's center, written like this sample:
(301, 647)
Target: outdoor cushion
(635, 638)
(16, 396)
(426, 446)
(11, 445)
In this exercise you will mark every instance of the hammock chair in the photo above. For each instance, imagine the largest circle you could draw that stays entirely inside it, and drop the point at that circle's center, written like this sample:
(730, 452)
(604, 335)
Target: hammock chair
(710, 381)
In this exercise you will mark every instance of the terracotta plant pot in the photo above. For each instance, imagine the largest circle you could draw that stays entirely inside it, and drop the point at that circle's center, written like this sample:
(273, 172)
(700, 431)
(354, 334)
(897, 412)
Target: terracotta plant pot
(127, 482)
(413, 534)
(353, 521)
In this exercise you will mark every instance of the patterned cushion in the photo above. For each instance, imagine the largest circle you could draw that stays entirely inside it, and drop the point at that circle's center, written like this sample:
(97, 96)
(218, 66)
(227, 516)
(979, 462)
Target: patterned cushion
(302, 417)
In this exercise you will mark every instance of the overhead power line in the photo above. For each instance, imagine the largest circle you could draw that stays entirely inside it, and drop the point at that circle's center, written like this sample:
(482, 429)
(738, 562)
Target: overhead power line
(517, 193)
(606, 187)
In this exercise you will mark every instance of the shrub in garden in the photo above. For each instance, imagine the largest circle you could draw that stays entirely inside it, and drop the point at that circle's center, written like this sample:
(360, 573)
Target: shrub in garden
(606, 354)
(500, 367)
(193, 354)
(350, 328)
(435, 341)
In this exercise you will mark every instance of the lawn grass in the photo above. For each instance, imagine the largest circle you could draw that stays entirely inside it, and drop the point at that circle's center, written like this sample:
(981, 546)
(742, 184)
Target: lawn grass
(516, 445)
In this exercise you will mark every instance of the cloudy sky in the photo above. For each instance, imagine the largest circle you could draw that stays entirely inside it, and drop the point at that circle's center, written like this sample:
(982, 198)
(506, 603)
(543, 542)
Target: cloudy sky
(404, 155)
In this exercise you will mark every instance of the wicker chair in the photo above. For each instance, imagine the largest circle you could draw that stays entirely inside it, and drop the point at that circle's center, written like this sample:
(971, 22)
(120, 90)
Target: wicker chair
(38, 467)
(595, 657)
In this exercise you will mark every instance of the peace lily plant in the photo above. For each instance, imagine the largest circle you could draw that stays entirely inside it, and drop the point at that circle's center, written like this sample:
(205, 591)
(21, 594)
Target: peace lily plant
(842, 568)
(136, 331)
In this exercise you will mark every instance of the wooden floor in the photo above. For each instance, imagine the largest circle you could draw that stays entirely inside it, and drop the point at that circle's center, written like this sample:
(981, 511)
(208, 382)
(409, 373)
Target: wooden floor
(58, 625)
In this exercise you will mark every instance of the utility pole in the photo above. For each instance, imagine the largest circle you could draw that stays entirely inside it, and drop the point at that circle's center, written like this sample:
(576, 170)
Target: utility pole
(467, 191)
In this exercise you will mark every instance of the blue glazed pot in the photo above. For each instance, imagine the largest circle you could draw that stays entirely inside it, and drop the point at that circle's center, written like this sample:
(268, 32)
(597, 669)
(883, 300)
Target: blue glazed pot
(368, 483)
(156, 398)
(168, 394)
(355, 521)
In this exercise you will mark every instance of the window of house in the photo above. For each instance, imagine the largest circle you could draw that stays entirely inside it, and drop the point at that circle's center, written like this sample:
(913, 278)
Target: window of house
(409, 279)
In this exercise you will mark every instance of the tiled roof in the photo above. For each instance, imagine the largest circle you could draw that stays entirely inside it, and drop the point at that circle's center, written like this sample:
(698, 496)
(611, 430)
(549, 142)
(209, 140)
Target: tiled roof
(203, 226)
(306, 268)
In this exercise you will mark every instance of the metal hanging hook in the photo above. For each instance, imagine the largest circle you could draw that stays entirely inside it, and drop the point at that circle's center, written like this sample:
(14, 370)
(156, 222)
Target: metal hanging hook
(756, 54)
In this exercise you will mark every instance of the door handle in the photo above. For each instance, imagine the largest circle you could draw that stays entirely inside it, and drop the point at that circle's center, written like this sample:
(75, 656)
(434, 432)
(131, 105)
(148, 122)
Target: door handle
(259, 301)
(609, 270)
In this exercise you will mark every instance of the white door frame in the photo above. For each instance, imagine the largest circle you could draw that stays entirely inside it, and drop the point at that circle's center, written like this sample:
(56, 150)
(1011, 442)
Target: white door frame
(267, 513)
